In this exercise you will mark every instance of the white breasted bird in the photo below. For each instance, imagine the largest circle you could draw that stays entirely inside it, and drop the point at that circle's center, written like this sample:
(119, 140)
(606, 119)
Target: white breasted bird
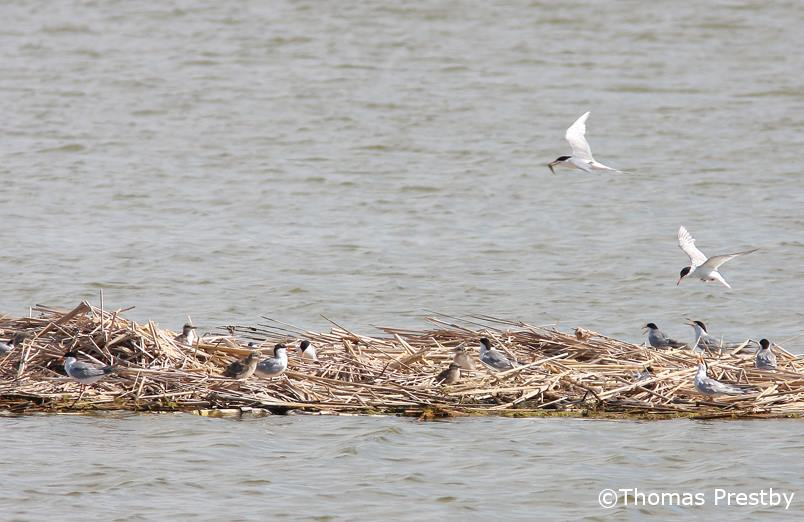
(187, 336)
(492, 358)
(244, 368)
(581, 157)
(6, 347)
(657, 339)
(83, 372)
(276, 365)
(702, 267)
(712, 387)
(765, 358)
(307, 351)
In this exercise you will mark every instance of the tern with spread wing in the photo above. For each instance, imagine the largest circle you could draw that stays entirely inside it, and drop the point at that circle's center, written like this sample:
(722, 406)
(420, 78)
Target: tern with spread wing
(704, 268)
(581, 157)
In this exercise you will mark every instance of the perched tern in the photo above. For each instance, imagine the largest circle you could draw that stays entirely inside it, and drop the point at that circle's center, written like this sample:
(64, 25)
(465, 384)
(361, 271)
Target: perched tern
(244, 368)
(703, 340)
(645, 374)
(581, 157)
(704, 268)
(708, 386)
(657, 339)
(16, 339)
(462, 359)
(188, 335)
(84, 373)
(307, 351)
(276, 365)
(451, 375)
(765, 359)
(492, 358)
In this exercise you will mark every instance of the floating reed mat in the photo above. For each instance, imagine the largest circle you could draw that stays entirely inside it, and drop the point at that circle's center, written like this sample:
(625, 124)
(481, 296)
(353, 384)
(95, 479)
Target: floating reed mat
(582, 373)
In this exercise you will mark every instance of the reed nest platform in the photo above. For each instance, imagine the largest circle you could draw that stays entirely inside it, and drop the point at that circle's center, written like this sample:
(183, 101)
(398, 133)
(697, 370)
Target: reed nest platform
(582, 373)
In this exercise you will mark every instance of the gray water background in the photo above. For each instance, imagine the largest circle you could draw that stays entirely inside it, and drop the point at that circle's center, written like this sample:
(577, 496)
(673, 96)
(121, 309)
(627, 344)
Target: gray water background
(370, 161)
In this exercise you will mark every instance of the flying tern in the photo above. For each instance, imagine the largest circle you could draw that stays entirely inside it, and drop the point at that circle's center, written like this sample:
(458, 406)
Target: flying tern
(492, 358)
(657, 339)
(704, 268)
(765, 358)
(581, 157)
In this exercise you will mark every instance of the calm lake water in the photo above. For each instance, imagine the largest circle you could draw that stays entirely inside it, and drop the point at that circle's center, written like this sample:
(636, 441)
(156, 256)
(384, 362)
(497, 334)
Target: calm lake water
(372, 160)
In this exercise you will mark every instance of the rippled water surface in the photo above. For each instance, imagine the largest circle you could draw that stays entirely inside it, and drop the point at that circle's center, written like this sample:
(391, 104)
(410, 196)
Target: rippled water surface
(379, 468)
(372, 160)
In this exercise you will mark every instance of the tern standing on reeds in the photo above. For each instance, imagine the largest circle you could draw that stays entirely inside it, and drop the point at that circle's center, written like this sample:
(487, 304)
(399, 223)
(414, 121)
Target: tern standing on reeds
(703, 340)
(462, 359)
(307, 351)
(657, 339)
(84, 373)
(492, 358)
(765, 358)
(581, 157)
(276, 365)
(451, 375)
(16, 339)
(188, 335)
(244, 368)
(702, 267)
(708, 386)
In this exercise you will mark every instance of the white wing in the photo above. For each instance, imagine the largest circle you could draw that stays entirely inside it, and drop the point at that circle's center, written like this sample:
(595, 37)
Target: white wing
(687, 244)
(576, 137)
(716, 262)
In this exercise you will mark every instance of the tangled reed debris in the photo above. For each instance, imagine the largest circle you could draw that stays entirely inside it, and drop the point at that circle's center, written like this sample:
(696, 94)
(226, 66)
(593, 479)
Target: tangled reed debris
(582, 373)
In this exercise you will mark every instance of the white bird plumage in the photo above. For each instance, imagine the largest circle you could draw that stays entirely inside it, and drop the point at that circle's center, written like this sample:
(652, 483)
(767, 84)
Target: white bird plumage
(704, 268)
(581, 157)
(708, 386)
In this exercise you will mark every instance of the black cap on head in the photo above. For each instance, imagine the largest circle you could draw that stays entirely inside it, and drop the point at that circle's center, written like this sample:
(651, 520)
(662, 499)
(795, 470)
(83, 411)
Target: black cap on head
(563, 158)
(304, 344)
(279, 346)
(652, 326)
(649, 369)
(764, 343)
(453, 366)
(71, 354)
(700, 323)
(685, 271)
(485, 342)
